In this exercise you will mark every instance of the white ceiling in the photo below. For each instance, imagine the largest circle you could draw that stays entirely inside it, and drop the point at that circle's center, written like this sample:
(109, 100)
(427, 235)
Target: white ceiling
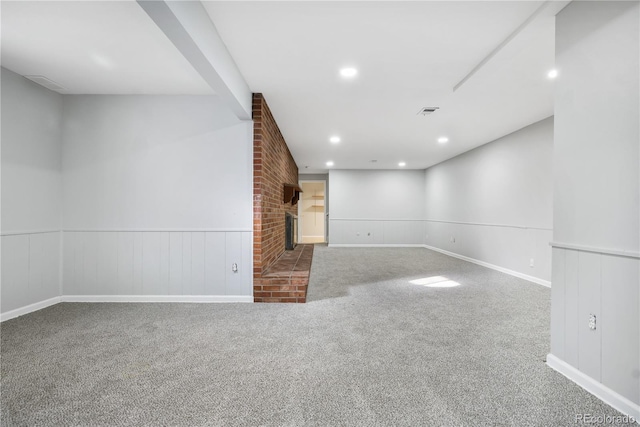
(94, 47)
(409, 55)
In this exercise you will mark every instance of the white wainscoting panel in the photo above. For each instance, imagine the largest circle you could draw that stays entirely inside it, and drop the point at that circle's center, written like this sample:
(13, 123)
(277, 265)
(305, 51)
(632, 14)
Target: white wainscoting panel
(376, 232)
(589, 294)
(571, 308)
(215, 262)
(30, 270)
(620, 317)
(558, 303)
(148, 263)
(607, 286)
(151, 248)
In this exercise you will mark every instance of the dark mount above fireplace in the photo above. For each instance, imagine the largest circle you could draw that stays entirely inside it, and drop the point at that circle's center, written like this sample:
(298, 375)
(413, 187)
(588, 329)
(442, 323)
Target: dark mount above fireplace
(292, 193)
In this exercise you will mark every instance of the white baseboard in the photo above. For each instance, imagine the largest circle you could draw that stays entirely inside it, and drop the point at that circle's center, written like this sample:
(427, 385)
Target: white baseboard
(125, 298)
(29, 308)
(596, 388)
(371, 245)
(492, 266)
(158, 298)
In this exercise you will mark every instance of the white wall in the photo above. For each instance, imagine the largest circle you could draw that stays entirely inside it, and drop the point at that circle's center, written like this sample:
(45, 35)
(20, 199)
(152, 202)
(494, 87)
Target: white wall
(153, 194)
(31, 193)
(596, 200)
(31, 155)
(376, 207)
(155, 162)
(157, 196)
(496, 202)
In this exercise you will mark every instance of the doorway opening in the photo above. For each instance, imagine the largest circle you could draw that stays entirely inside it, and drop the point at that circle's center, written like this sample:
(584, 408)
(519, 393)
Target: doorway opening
(312, 212)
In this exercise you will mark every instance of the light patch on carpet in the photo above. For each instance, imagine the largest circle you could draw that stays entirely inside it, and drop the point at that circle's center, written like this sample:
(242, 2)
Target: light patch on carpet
(435, 282)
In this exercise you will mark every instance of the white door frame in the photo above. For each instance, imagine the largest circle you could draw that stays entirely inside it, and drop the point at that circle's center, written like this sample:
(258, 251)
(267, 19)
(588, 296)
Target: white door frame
(324, 208)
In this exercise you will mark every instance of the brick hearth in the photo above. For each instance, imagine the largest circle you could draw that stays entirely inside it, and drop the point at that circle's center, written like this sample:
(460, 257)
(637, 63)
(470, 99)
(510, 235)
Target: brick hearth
(287, 279)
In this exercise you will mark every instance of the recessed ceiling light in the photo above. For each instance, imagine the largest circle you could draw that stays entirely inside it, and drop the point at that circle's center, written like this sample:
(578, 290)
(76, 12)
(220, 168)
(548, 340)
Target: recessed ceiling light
(552, 74)
(443, 140)
(329, 163)
(348, 72)
(334, 139)
(402, 164)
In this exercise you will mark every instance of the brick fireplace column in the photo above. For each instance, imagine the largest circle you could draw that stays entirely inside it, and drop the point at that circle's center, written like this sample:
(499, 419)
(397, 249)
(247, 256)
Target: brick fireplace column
(273, 166)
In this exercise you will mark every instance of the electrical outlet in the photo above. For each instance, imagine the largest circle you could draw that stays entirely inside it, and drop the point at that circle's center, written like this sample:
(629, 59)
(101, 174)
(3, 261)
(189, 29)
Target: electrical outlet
(531, 262)
(234, 267)
(453, 239)
(592, 322)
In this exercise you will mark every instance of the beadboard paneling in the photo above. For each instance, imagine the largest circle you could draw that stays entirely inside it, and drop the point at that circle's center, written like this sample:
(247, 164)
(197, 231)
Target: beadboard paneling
(605, 285)
(30, 269)
(156, 263)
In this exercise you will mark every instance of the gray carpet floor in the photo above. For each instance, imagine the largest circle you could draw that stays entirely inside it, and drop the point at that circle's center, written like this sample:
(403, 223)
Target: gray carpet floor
(368, 349)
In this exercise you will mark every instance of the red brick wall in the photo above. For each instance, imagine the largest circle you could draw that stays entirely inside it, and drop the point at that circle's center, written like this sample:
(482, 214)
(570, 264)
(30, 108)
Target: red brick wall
(273, 166)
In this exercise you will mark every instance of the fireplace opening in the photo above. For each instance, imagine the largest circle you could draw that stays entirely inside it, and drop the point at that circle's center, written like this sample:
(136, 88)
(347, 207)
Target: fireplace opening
(291, 231)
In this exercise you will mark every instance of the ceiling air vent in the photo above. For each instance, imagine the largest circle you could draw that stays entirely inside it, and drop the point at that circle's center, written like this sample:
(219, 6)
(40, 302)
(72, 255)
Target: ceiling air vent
(425, 111)
(49, 84)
